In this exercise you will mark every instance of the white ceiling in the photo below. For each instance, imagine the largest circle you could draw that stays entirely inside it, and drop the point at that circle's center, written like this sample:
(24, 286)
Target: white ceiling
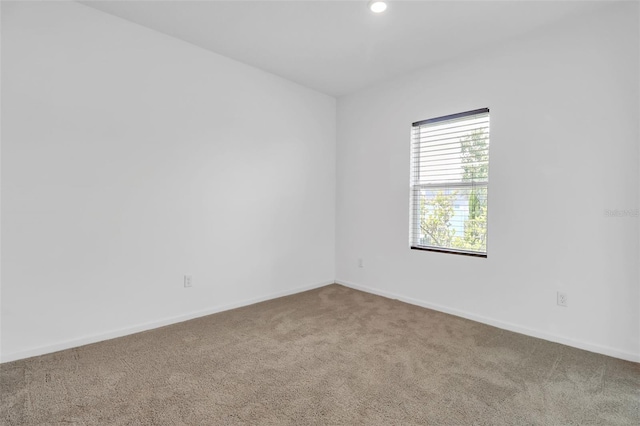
(338, 47)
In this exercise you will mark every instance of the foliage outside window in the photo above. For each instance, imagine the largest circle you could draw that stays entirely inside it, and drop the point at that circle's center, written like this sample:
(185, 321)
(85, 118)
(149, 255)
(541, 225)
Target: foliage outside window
(450, 182)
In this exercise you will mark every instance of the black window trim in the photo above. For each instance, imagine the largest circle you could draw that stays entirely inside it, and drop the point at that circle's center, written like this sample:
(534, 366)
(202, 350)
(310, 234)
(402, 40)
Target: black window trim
(452, 251)
(451, 117)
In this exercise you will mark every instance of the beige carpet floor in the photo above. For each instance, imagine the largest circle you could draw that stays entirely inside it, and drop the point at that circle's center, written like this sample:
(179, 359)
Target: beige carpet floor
(331, 356)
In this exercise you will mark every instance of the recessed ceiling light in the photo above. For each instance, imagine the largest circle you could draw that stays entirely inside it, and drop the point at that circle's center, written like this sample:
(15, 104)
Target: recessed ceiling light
(377, 6)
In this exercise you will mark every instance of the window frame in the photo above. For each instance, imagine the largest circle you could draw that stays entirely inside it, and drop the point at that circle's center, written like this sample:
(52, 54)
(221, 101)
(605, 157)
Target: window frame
(414, 222)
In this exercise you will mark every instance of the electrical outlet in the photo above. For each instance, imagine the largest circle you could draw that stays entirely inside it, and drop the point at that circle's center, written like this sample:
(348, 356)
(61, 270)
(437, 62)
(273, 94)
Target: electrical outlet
(188, 281)
(360, 262)
(562, 299)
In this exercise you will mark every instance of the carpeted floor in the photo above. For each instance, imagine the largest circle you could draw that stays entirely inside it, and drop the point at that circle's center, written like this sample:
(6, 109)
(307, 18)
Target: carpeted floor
(331, 356)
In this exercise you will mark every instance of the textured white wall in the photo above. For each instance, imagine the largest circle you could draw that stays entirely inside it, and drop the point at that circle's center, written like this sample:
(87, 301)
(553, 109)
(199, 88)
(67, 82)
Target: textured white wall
(564, 147)
(131, 158)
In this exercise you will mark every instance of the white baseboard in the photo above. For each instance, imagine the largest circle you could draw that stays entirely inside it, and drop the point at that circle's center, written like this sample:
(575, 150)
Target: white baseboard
(605, 350)
(74, 343)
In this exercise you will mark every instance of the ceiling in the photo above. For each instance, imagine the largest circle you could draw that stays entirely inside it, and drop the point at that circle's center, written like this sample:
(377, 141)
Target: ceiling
(339, 47)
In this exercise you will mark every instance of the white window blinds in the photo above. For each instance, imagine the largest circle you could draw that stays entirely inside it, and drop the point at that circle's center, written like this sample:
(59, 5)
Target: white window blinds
(450, 183)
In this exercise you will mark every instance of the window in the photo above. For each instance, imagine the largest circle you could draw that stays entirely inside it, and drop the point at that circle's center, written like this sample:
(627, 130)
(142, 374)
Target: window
(450, 183)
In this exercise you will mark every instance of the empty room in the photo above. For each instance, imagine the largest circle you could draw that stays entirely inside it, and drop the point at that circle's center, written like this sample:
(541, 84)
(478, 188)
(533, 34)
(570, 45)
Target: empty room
(320, 212)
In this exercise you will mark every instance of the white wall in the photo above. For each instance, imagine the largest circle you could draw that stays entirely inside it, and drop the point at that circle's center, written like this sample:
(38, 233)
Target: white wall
(131, 158)
(564, 147)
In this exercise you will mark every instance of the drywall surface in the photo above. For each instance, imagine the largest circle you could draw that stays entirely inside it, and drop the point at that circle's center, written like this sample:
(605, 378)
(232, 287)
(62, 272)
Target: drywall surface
(131, 159)
(564, 151)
